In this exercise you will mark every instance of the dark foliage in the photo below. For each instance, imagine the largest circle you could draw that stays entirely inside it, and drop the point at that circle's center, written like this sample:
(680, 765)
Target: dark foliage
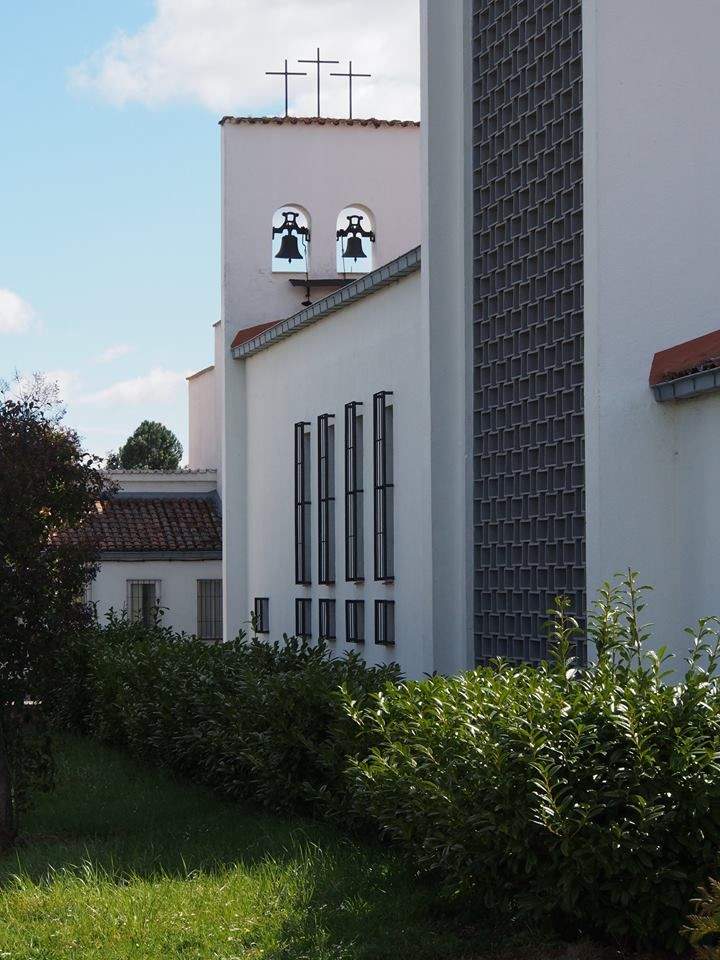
(48, 485)
(591, 797)
(253, 720)
(152, 446)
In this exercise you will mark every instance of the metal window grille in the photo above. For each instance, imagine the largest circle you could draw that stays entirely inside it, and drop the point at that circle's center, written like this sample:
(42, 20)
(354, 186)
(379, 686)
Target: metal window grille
(355, 621)
(262, 615)
(383, 486)
(326, 499)
(209, 609)
(327, 620)
(302, 504)
(143, 598)
(354, 493)
(385, 623)
(303, 617)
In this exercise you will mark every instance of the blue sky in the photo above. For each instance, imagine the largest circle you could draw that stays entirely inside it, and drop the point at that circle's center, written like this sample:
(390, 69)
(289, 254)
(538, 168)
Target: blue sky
(109, 185)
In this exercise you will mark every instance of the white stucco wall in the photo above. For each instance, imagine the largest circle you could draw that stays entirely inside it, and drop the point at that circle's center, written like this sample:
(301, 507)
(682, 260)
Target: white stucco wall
(446, 309)
(161, 482)
(203, 426)
(652, 247)
(178, 590)
(323, 169)
(376, 344)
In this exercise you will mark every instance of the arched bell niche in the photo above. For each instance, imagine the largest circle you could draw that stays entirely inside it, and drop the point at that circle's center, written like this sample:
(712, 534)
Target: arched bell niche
(291, 239)
(355, 240)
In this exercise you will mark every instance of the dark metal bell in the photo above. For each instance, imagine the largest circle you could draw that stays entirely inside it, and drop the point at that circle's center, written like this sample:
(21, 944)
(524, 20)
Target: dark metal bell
(354, 249)
(289, 249)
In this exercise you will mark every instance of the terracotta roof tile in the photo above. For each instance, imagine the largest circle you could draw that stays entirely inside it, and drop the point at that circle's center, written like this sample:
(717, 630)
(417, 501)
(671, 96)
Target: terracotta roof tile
(693, 356)
(147, 524)
(249, 333)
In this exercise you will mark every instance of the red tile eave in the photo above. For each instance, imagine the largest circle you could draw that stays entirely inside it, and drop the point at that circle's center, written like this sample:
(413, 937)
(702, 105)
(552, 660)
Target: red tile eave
(249, 333)
(686, 358)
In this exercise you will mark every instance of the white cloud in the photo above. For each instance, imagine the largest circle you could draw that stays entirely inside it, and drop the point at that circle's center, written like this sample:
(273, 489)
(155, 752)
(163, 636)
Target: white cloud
(215, 53)
(158, 386)
(114, 353)
(16, 314)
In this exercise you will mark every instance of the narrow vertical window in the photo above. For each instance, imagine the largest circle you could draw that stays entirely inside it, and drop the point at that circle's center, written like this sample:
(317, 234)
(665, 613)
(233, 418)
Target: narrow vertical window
(327, 620)
(326, 499)
(354, 546)
(143, 597)
(355, 621)
(384, 521)
(385, 622)
(302, 503)
(262, 615)
(209, 609)
(303, 618)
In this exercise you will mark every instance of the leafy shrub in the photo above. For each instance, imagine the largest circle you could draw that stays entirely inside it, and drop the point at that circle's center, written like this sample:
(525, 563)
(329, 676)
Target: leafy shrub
(253, 720)
(591, 796)
(703, 930)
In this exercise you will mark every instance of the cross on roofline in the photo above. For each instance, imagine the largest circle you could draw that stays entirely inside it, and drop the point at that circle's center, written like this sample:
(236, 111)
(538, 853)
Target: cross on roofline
(351, 76)
(286, 73)
(317, 61)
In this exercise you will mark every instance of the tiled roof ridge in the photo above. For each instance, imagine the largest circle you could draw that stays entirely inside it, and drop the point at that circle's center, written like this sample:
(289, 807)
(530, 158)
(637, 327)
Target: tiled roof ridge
(322, 121)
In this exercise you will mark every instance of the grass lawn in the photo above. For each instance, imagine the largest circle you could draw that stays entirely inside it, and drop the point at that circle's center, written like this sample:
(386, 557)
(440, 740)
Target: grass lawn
(125, 862)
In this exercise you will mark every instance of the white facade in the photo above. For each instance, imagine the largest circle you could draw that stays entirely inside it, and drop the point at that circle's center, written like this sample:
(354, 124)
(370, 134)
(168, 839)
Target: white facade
(323, 168)
(376, 344)
(176, 576)
(652, 245)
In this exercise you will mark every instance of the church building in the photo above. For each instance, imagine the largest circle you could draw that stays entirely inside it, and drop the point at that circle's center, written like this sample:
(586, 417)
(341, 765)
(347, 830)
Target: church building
(467, 366)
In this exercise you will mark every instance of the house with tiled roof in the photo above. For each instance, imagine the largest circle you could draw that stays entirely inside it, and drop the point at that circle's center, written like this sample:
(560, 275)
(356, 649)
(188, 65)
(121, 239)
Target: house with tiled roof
(159, 543)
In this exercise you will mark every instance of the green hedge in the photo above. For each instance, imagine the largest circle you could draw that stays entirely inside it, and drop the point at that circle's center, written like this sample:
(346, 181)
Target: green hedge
(590, 798)
(253, 720)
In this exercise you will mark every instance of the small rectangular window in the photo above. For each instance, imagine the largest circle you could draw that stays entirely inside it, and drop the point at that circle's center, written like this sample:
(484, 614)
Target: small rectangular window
(385, 622)
(143, 599)
(303, 618)
(354, 493)
(327, 620)
(355, 621)
(384, 488)
(262, 615)
(209, 609)
(326, 499)
(302, 504)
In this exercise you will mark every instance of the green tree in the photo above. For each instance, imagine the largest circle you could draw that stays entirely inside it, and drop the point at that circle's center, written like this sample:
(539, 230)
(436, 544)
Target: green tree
(152, 447)
(48, 485)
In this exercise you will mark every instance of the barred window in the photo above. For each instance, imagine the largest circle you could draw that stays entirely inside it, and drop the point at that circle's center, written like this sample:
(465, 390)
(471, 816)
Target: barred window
(354, 493)
(302, 504)
(303, 617)
(262, 615)
(355, 621)
(384, 492)
(326, 499)
(327, 620)
(143, 598)
(385, 622)
(209, 609)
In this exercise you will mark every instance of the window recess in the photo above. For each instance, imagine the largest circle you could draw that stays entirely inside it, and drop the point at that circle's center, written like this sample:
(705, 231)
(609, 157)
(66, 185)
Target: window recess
(354, 493)
(143, 599)
(385, 623)
(355, 621)
(209, 609)
(326, 498)
(262, 615)
(328, 630)
(384, 488)
(303, 618)
(302, 504)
